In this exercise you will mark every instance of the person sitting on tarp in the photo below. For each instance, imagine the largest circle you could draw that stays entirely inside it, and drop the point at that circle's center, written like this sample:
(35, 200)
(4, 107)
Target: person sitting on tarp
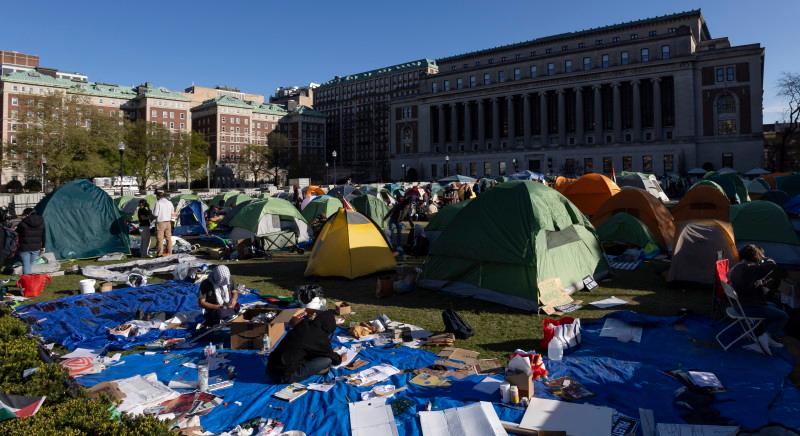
(218, 297)
(750, 278)
(306, 349)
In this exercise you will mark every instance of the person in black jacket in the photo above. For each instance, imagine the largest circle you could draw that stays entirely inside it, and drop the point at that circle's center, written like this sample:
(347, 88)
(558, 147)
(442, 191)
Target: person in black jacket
(306, 349)
(145, 216)
(30, 232)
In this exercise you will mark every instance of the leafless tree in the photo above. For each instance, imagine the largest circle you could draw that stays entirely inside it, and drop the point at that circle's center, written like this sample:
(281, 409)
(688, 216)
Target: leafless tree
(789, 89)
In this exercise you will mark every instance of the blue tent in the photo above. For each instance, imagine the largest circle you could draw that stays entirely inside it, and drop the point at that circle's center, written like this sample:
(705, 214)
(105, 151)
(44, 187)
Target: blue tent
(191, 220)
(527, 175)
(792, 207)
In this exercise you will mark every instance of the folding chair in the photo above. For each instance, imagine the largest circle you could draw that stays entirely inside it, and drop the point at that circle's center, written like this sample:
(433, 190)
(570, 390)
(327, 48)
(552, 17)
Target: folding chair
(736, 313)
(722, 266)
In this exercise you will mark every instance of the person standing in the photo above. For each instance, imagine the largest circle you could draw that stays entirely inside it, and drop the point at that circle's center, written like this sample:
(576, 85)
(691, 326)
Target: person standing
(30, 234)
(164, 211)
(145, 215)
(397, 214)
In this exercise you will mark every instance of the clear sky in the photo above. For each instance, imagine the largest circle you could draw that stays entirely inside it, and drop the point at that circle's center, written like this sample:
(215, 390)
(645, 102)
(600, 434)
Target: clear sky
(257, 45)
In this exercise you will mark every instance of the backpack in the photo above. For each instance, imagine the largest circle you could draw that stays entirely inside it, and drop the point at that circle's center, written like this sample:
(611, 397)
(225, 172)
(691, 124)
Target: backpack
(10, 243)
(453, 323)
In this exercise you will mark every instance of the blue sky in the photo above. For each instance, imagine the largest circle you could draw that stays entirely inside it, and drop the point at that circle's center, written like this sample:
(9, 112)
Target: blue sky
(259, 45)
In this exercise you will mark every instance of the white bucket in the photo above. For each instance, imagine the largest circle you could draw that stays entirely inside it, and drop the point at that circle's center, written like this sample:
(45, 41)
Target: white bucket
(87, 286)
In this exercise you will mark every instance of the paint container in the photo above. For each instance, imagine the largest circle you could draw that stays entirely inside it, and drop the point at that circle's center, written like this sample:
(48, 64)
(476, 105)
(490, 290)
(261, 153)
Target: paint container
(505, 392)
(202, 378)
(514, 394)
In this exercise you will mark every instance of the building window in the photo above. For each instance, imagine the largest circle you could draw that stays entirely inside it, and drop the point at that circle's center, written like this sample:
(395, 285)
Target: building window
(588, 165)
(671, 30)
(491, 60)
(533, 71)
(473, 81)
(652, 33)
(487, 79)
(14, 101)
(727, 160)
(183, 116)
(624, 58)
(501, 76)
(647, 163)
(568, 66)
(446, 85)
(551, 69)
(564, 48)
(223, 119)
(487, 169)
(664, 52)
(645, 54)
(605, 61)
(434, 87)
(473, 169)
(607, 165)
(154, 113)
(627, 163)
(598, 42)
(517, 73)
(730, 73)
(459, 83)
(581, 45)
(669, 163)
(726, 127)
(720, 74)
(615, 39)
(634, 36)
(183, 126)
(587, 63)
(548, 51)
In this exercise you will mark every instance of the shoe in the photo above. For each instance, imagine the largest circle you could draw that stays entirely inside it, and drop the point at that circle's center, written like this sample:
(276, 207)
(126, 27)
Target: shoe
(763, 341)
(772, 342)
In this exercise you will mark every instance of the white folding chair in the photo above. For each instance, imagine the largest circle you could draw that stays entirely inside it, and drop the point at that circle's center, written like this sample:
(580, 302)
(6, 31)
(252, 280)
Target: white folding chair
(736, 314)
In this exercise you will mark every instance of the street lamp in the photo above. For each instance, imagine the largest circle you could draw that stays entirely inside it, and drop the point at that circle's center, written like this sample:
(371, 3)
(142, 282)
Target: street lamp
(403, 166)
(44, 162)
(121, 147)
(333, 154)
(447, 165)
(327, 179)
(514, 162)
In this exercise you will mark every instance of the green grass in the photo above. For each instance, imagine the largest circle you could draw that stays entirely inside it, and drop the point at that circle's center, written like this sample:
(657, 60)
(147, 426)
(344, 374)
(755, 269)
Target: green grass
(498, 329)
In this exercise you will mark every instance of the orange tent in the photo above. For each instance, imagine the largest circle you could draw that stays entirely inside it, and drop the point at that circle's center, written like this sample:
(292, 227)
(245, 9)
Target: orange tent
(642, 205)
(590, 192)
(770, 178)
(703, 202)
(313, 190)
(562, 182)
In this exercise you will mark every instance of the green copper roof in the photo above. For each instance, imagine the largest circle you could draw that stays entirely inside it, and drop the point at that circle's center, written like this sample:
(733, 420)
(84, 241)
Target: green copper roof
(147, 90)
(227, 100)
(103, 90)
(305, 110)
(421, 63)
(36, 78)
(567, 35)
(270, 109)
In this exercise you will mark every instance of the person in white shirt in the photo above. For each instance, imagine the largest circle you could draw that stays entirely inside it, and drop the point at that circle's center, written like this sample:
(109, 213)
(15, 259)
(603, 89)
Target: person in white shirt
(164, 212)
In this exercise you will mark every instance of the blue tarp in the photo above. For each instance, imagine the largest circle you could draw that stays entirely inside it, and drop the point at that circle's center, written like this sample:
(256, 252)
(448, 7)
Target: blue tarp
(191, 220)
(527, 175)
(625, 376)
(792, 207)
(84, 320)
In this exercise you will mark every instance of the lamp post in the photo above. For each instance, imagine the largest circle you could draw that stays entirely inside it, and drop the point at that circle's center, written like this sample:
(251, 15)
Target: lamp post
(447, 165)
(333, 154)
(121, 148)
(327, 179)
(44, 162)
(514, 162)
(403, 166)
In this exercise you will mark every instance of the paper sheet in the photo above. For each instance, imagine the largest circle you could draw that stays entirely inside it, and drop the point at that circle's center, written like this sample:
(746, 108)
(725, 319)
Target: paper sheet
(351, 353)
(371, 418)
(142, 392)
(320, 387)
(373, 375)
(705, 379)
(489, 385)
(608, 302)
(621, 330)
(477, 419)
(81, 352)
(574, 419)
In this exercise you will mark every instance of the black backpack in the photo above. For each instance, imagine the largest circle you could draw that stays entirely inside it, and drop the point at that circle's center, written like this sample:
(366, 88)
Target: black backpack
(453, 323)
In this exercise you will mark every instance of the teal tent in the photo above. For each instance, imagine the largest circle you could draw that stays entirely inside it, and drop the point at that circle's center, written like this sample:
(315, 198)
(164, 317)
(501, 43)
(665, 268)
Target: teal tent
(626, 229)
(503, 244)
(81, 222)
(323, 204)
(789, 184)
(373, 208)
(767, 225)
(439, 222)
(732, 184)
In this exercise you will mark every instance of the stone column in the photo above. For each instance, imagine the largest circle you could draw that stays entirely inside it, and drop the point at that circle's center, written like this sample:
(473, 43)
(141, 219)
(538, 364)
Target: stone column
(526, 118)
(512, 122)
(468, 124)
(496, 122)
(481, 123)
(657, 109)
(562, 118)
(598, 114)
(454, 122)
(637, 111)
(579, 115)
(543, 118)
(617, 113)
(441, 126)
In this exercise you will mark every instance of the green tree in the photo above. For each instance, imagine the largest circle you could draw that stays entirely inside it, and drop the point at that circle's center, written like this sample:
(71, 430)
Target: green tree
(190, 156)
(255, 161)
(148, 149)
(789, 145)
(281, 153)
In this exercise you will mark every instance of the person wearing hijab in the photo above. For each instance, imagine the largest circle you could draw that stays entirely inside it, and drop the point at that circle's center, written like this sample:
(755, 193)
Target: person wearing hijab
(218, 297)
(306, 350)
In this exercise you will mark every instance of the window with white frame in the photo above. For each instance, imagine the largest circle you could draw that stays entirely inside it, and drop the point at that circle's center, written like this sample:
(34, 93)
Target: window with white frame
(568, 66)
(624, 58)
(14, 101)
(551, 69)
(645, 54)
(517, 73)
(605, 61)
(587, 63)
(665, 52)
(533, 71)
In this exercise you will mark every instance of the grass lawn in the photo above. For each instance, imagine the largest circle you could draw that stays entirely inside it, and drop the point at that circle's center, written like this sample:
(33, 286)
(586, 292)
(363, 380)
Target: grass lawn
(499, 329)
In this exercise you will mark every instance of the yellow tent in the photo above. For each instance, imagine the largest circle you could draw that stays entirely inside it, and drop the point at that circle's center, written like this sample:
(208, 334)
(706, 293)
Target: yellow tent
(351, 246)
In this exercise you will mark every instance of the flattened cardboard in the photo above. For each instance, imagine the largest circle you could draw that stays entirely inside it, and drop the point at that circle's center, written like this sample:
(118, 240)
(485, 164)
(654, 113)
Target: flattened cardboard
(248, 335)
(551, 294)
(466, 356)
(342, 308)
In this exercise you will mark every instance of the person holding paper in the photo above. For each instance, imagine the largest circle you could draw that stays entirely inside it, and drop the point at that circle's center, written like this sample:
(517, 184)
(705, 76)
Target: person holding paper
(306, 350)
(218, 297)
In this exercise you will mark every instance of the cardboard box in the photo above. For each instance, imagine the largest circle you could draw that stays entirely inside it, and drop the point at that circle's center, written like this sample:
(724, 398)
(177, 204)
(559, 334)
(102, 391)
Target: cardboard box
(523, 382)
(248, 335)
(342, 308)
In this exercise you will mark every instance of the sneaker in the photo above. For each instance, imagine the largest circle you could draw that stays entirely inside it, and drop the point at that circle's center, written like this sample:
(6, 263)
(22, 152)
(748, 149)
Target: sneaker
(763, 341)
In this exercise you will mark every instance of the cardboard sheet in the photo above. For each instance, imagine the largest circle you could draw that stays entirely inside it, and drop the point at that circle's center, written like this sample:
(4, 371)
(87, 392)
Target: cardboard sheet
(551, 294)
(575, 419)
(477, 419)
(371, 418)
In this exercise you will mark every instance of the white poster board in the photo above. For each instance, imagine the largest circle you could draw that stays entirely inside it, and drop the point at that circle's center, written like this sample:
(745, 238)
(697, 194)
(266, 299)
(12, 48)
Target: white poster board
(575, 419)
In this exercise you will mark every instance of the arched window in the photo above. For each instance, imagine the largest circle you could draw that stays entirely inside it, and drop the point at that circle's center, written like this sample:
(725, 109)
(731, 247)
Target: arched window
(726, 115)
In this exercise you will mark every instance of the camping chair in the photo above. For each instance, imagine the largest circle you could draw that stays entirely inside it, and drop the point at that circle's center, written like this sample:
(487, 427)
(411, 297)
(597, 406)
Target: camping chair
(722, 266)
(736, 313)
(280, 240)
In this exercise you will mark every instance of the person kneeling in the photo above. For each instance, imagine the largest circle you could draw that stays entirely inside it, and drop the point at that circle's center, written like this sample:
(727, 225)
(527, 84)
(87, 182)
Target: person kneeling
(306, 349)
(218, 297)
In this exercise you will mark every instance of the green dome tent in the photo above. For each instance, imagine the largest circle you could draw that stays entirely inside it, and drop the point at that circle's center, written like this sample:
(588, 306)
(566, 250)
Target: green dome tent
(789, 184)
(322, 204)
(176, 199)
(443, 218)
(510, 239)
(732, 184)
(766, 224)
(222, 196)
(627, 229)
(81, 222)
(263, 217)
(373, 208)
(236, 200)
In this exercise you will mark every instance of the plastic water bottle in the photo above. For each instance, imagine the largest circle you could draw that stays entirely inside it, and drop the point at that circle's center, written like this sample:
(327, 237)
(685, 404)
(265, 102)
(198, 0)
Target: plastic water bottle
(265, 344)
(555, 350)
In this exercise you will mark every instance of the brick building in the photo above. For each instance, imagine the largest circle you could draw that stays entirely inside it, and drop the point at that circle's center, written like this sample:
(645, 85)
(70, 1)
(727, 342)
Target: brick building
(156, 104)
(199, 94)
(301, 95)
(304, 127)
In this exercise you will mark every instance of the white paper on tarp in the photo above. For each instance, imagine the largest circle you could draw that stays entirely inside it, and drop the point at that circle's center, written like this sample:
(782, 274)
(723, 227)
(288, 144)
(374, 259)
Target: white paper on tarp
(574, 419)
(489, 385)
(608, 302)
(372, 418)
(477, 419)
(695, 430)
(350, 354)
(82, 352)
(705, 379)
(621, 330)
(414, 331)
(320, 387)
(376, 374)
(142, 392)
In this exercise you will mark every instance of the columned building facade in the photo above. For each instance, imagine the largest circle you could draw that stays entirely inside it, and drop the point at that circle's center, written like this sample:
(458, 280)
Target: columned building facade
(657, 95)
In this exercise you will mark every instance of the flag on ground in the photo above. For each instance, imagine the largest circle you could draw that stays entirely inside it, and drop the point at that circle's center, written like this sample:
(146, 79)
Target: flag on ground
(18, 406)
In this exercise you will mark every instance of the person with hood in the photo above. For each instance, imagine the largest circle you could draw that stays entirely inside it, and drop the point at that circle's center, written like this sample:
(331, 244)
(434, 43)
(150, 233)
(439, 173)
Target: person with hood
(218, 297)
(306, 350)
(30, 236)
